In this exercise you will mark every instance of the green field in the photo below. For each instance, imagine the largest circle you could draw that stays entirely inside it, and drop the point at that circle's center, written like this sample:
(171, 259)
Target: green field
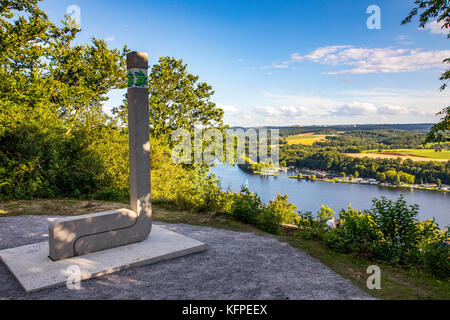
(425, 153)
(306, 138)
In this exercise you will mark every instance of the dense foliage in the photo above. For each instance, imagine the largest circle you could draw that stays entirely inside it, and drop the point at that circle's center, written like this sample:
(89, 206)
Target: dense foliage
(423, 172)
(50, 105)
(439, 10)
(391, 232)
(248, 208)
(55, 139)
(360, 140)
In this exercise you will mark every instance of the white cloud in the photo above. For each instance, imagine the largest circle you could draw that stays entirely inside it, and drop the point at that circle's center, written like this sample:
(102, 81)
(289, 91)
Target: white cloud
(435, 27)
(404, 39)
(294, 111)
(354, 109)
(369, 109)
(375, 60)
(283, 65)
(388, 109)
(318, 54)
(377, 105)
(370, 60)
(419, 101)
(228, 108)
(267, 111)
(234, 115)
(108, 39)
(281, 111)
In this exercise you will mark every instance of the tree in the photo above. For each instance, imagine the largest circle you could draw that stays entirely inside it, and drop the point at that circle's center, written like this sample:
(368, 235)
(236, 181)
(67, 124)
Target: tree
(439, 131)
(325, 213)
(406, 177)
(48, 86)
(84, 74)
(45, 75)
(177, 100)
(392, 177)
(432, 9)
(381, 176)
(285, 210)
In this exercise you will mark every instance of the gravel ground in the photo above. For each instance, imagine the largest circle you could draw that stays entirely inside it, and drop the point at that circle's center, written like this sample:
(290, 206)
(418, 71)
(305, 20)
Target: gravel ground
(235, 265)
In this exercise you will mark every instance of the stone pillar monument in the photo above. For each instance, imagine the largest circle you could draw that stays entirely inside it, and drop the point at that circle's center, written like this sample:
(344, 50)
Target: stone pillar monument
(80, 235)
(139, 141)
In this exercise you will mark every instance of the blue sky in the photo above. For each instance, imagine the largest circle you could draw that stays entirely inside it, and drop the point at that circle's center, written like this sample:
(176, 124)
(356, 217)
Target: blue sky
(298, 62)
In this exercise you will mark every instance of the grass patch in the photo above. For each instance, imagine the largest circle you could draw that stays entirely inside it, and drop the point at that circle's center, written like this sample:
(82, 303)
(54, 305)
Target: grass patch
(64, 207)
(396, 283)
(161, 212)
(425, 153)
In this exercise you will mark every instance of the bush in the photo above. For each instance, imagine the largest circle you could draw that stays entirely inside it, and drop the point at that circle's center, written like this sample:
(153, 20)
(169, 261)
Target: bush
(309, 227)
(109, 194)
(277, 212)
(325, 213)
(336, 241)
(435, 259)
(286, 211)
(391, 232)
(36, 160)
(397, 223)
(247, 206)
(269, 221)
(358, 233)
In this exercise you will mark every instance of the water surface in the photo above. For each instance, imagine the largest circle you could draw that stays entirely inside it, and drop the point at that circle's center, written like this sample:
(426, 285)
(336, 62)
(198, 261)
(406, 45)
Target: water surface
(308, 196)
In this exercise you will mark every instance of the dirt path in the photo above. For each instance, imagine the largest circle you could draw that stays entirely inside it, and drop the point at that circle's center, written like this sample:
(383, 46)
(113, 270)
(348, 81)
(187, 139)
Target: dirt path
(236, 265)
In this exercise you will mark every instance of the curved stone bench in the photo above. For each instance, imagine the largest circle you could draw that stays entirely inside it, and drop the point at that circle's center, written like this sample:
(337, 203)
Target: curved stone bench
(80, 235)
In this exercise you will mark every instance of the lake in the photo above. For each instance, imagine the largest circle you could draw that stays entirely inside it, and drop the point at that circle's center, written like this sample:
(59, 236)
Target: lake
(309, 196)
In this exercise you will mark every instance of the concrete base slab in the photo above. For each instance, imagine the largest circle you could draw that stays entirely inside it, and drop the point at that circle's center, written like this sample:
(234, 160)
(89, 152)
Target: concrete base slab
(34, 270)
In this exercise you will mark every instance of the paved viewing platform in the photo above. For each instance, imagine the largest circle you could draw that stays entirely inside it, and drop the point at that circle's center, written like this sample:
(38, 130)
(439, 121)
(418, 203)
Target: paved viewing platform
(236, 265)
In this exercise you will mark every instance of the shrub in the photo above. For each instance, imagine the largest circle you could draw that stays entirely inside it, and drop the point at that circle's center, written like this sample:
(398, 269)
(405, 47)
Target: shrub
(325, 213)
(277, 212)
(286, 211)
(110, 194)
(358, 233)
(269, 221)
(391, 232)
(435, 259)
(309, 227)
(336, 241)
(247, 206)
(397, 223)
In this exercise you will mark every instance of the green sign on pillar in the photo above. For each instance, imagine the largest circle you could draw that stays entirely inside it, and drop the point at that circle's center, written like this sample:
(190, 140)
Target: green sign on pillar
(137, 78)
